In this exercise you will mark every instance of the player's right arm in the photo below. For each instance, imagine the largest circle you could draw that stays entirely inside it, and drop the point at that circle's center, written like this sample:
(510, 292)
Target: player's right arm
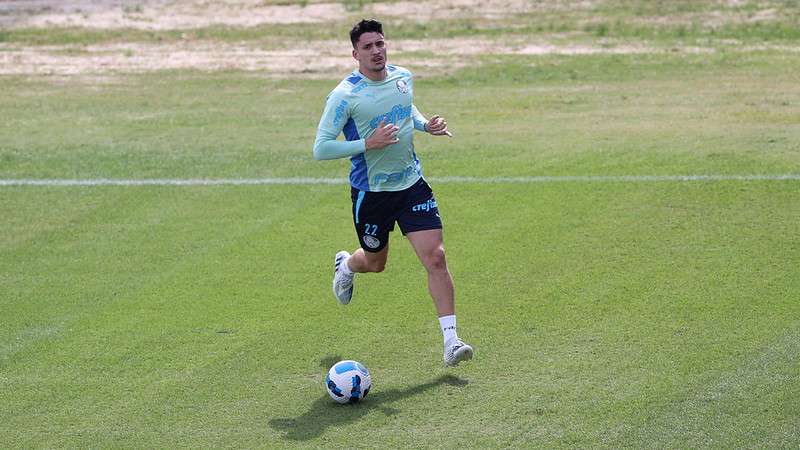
(334, 117)
(383, 136)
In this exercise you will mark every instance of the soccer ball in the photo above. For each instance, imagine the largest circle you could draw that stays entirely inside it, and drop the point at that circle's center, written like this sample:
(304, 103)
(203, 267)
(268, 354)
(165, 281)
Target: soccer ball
(348, 382)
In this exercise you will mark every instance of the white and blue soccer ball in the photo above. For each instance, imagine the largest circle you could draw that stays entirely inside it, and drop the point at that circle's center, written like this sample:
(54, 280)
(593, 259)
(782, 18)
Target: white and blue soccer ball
(348, 381)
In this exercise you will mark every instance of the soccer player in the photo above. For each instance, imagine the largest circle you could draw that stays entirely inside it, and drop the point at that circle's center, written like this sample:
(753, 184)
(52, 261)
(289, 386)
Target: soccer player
(374, 108)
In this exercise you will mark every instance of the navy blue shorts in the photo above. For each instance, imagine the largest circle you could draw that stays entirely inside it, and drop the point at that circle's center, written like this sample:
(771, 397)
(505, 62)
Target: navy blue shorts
(374, 213)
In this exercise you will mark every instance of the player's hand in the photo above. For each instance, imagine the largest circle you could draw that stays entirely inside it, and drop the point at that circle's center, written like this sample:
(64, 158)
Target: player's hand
(437, 126)
(383, 136)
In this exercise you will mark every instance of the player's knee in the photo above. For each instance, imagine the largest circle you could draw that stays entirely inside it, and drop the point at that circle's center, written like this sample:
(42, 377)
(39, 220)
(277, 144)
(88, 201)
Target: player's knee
(377, 266)
(435, 261)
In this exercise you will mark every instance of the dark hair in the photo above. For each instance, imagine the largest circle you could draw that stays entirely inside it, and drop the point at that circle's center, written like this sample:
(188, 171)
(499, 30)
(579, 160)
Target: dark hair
(365, 26)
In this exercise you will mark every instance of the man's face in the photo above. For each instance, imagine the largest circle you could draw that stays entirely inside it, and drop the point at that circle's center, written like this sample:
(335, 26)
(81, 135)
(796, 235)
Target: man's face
(370, 52)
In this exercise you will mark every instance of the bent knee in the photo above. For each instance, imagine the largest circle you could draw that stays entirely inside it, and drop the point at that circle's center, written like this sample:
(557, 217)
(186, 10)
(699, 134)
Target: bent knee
(377, 267)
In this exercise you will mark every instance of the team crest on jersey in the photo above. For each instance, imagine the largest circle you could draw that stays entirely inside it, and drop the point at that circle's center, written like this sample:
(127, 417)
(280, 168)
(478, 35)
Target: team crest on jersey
(402, 86)
(371, 241)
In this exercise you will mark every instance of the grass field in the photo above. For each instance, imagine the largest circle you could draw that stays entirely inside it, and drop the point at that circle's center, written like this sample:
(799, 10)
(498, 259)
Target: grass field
(605, 312)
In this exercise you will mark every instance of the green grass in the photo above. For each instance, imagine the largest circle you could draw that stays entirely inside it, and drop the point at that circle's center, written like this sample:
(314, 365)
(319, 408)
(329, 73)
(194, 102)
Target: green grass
(527, 26)
(619, 115)
(604, 314)
(632, 315)
(658, 23)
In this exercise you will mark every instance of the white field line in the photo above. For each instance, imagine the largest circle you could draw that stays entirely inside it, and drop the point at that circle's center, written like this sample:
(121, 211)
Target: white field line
(443, 180)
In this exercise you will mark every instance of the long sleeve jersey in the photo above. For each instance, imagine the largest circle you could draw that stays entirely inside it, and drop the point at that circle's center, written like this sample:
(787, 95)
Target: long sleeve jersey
(356, 107)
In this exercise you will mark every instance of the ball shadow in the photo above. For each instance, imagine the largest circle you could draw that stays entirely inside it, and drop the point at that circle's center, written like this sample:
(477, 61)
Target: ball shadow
(324, 412)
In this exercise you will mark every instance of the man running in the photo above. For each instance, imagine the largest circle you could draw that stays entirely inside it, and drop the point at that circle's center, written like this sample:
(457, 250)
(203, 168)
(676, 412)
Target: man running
(373, 107)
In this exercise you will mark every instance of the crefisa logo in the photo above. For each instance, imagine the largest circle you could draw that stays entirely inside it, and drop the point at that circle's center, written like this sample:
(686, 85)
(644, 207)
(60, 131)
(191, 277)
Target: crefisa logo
(402, 86)
(371, 241)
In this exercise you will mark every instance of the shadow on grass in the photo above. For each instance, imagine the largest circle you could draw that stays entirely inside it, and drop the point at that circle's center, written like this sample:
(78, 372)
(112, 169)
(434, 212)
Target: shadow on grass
(324, 412)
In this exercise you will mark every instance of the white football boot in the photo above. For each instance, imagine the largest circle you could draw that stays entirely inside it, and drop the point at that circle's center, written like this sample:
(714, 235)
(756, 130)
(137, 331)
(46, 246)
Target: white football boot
(456, 351)
(342, 282)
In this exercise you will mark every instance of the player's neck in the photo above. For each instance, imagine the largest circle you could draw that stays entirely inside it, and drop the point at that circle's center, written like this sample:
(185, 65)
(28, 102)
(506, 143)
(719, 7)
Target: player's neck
(374, 76)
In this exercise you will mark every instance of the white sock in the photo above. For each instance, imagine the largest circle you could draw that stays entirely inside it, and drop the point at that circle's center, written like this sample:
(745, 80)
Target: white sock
(448, 324)
(346, 267)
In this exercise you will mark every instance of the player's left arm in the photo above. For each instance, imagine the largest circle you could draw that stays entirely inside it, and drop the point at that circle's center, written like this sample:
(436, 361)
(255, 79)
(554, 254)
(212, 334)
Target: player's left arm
(436, 126)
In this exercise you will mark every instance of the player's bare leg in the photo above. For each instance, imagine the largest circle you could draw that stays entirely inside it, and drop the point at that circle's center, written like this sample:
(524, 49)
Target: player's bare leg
(345, 267)
(362, 262)
(429, 246)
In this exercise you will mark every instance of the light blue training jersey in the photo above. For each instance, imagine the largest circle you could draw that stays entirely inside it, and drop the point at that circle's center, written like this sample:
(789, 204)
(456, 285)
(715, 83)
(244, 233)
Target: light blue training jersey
(356, 107)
